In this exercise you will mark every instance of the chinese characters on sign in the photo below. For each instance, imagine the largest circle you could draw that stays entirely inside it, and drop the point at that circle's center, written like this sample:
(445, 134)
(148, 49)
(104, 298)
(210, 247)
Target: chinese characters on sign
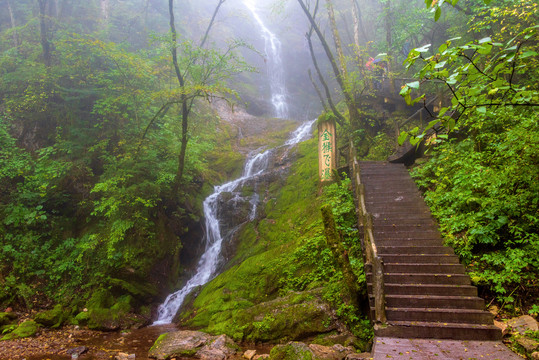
(326, 150)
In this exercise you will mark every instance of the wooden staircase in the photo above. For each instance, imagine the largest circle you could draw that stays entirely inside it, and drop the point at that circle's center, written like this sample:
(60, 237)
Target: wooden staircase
(427, 292)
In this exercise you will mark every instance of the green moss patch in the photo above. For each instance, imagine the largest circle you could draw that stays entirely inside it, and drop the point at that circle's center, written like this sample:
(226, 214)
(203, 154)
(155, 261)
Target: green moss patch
(26, 329)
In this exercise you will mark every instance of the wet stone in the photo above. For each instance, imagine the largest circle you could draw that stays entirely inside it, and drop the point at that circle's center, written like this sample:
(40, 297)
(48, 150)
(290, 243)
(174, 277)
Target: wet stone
(523, 323)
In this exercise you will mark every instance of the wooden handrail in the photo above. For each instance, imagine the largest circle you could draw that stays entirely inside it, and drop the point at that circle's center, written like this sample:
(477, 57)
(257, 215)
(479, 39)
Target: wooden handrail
(368, 244)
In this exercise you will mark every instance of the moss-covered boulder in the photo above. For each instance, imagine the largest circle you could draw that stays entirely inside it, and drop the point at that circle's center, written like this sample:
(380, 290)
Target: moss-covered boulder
(296, 316)
(108, 314)
(25, 329)
(292, 351)
(194, 344)
(53, 318)
(82, 318)
(7, 318)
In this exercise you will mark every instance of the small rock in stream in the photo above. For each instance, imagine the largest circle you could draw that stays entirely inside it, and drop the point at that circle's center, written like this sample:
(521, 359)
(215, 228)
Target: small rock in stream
(77, 351)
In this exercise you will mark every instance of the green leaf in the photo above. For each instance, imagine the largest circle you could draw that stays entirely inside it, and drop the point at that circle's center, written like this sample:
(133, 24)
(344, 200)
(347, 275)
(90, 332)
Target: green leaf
(439, 65)
(451, 124)
(485, 39)
(423, 49)
(402, 137)
(528, 54)
(438, 13)
(481, 109)
(413, 85)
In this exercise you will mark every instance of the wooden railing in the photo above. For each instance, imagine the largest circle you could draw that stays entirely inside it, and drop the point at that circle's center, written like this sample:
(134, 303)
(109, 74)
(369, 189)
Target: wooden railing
(369, 247)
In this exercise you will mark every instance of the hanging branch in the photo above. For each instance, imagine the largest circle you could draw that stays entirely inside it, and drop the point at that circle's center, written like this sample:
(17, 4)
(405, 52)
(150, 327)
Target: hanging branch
(317, 89)
(340, 119)
(205, 37)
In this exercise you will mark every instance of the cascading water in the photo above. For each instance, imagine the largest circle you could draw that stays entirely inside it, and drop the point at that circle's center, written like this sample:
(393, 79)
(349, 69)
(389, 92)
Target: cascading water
(207, 265)
(273, 60)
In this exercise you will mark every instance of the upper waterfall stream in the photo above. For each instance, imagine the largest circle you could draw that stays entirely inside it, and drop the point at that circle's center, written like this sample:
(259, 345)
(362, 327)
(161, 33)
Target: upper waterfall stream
(274, 63)
(255, 166)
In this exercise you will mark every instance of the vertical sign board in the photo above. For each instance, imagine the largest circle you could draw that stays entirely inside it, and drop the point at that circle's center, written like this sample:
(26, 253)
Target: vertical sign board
(326, 150)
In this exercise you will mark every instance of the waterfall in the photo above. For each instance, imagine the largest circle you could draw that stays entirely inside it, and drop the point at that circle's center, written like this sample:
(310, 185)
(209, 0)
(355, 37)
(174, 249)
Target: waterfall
(274, 63)
(256, 165)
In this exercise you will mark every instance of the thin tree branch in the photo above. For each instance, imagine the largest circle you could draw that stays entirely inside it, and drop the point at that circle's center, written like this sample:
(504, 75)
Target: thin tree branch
(221, 2)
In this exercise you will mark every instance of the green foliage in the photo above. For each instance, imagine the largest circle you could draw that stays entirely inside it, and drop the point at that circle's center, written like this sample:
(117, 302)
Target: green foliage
(481, 75)
(483, 190)
(481, 182)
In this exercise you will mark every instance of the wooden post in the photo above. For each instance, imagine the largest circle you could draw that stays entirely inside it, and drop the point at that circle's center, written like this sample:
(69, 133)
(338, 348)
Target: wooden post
(327, 144)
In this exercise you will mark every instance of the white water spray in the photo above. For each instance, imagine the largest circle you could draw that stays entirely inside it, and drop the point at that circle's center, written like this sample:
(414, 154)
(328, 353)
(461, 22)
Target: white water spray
(207, 265)
(273, 60)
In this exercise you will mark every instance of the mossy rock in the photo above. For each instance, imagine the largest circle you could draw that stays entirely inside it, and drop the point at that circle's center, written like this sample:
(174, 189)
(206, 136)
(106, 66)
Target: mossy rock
(112, 317)
(26, 329)
(82, 318)
(7, 318)
(292, 351)
(52, 318)
(6, 329)
(290, 318)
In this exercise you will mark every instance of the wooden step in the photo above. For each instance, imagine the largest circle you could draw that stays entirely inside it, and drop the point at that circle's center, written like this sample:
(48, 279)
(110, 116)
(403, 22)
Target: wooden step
(414, 249)
(420, 259)
(422, 279)
(436, 330)
(440, 315)
(427, 289)
(434, 301)
(424, 268)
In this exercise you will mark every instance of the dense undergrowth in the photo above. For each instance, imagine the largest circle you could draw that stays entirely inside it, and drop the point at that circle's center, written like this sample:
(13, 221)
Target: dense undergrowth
(283, 272)
(483, 190)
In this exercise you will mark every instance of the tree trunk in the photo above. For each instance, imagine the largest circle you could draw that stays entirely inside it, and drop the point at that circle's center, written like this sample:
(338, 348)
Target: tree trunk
(358, 296)
(104, 9)
(358, 24)
(13, 24)
(336, 37)
(45, 45)
(183, 97)
(340, 119)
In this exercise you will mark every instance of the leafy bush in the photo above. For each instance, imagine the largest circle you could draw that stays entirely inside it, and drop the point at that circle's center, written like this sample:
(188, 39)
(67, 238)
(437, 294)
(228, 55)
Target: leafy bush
(485, 193)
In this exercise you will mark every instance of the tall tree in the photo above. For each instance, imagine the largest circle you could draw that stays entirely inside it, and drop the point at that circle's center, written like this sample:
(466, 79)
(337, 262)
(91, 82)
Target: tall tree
(13, 24)
(45, 44)
(349, 92)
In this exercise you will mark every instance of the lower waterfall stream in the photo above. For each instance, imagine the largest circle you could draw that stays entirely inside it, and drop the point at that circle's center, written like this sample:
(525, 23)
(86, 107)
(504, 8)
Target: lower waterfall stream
(255, 166)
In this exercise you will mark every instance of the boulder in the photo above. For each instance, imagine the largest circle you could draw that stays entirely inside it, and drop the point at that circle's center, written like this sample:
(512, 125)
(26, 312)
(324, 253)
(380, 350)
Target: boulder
(356, 356)
(502, 326)
(523, 323)
(328, 353)
(26, 329)
(527, 343)
(52, 318)
(292, 351)
(296, 316)
(189, 343)
(79, 350)
(249, 354)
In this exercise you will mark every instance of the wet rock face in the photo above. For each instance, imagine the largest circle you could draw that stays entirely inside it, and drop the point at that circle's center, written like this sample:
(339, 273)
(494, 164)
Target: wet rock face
(194, 344)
